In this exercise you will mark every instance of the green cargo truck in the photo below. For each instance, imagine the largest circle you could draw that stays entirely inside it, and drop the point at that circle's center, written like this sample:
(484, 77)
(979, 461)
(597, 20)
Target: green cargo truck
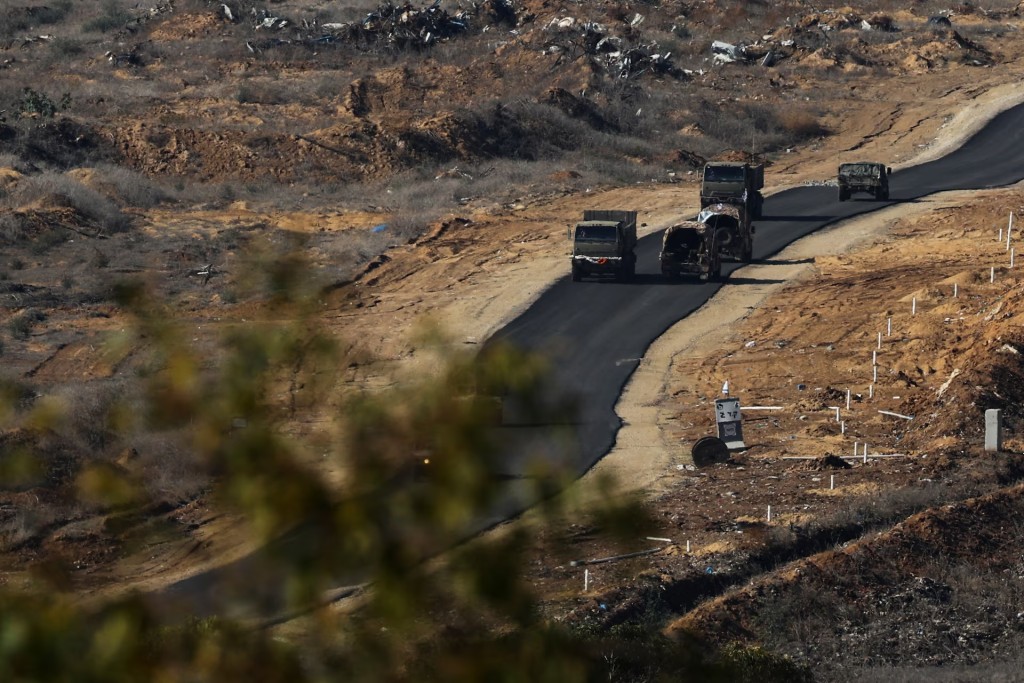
(603, 244)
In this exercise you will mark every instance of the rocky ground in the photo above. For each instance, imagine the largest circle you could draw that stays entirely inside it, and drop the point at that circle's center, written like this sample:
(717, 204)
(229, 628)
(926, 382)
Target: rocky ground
(910, 557)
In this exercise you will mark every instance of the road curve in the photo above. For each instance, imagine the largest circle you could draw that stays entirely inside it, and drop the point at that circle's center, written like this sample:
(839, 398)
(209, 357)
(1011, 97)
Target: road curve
(594, 335)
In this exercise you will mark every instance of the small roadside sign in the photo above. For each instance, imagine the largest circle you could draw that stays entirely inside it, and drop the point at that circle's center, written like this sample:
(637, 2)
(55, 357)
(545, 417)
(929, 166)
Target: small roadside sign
(730, 422)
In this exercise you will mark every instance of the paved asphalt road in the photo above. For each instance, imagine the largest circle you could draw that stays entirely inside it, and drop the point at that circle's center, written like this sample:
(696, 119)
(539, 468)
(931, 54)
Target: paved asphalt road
(594, 334)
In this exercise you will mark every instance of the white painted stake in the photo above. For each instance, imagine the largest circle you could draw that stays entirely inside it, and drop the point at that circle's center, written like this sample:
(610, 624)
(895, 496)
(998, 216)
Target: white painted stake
(874, 357)
(769, 513)
(879, 340)
(888, 327)
(913, 306)
(586, 580)
(871, 391)
(1009, 229)
(874, 374)
(832, 482)
(955, 289)
(865, 451)
(687, 546)
(847, 399)
(842, 427)
(837, 414)
(992, 274)
(855, 443)
(1000, 239)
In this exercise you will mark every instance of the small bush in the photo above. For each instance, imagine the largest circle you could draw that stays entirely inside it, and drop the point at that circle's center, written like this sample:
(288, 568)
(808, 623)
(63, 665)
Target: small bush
(21, 325)
(61, 190)
(130, 187)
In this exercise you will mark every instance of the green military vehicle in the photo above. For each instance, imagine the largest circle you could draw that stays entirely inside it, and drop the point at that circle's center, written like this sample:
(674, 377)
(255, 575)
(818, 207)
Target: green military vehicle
(730, 182)
(864, 176)
(734, 232)
(690, 248)
(603, 244)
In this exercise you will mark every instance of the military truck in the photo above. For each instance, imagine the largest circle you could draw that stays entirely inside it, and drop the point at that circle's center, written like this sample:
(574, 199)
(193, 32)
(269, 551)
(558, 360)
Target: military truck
(690, 248)
(603, 244)
(864, 176)
(734, 232)
(729, 182)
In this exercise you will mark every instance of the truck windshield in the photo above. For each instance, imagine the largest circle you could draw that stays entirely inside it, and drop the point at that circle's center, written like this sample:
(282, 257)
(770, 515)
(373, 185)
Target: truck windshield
(596, 233)
(723, 174)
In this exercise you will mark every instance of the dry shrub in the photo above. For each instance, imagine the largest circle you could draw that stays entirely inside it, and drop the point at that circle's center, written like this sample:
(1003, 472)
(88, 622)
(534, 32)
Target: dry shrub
(802, 124)
(129, 187)
(51, 188)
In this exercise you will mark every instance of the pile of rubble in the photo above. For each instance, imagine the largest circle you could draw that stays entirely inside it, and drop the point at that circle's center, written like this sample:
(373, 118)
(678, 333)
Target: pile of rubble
(620, 56)
(398, 25)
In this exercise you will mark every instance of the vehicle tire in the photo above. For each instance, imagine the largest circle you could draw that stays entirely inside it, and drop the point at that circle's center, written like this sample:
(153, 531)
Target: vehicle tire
(576, 274)
(843, 194)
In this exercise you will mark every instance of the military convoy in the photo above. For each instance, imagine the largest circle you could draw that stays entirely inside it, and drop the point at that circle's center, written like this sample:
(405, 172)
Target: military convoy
(864, 176)
(730, 200)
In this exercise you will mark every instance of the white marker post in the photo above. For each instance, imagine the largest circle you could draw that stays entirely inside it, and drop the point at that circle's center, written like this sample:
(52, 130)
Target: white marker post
(955, 290)
(586, 580)
(992, 274)
(842, 427)
(879, 340)
(837, 414)
(874, 373)
(1009, 229)
(855, 444)
(832, 482)
(913, 306)
(687, 546)
(874, 357)
(871, 391)
(847, 399)
(769, 513)
(1000, 238)
(865, 452)
(888, 327)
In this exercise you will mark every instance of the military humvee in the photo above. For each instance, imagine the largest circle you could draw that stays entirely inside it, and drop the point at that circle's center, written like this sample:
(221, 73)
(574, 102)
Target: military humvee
(864, 176)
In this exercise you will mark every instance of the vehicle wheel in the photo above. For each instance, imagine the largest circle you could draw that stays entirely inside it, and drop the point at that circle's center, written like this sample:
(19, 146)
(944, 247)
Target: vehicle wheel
(843, 194)
(576, 274)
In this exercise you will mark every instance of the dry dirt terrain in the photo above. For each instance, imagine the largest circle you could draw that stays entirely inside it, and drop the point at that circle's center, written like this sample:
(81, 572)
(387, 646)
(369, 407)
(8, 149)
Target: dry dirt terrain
(908, 556)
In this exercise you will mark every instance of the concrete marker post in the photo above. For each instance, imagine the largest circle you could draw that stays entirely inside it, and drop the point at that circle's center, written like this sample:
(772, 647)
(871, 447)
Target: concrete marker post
(993, 430)
(832, 482)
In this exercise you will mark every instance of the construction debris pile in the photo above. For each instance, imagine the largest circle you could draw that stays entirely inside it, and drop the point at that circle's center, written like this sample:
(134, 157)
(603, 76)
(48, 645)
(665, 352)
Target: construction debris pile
(620, 56)
(401, 26)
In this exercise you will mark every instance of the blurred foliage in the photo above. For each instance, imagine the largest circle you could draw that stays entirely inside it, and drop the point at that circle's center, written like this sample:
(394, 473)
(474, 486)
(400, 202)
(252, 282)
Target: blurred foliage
(421, 461)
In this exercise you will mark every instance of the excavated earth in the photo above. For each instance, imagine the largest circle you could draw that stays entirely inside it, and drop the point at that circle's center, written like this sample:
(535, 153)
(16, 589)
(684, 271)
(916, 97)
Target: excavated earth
(908, 556)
